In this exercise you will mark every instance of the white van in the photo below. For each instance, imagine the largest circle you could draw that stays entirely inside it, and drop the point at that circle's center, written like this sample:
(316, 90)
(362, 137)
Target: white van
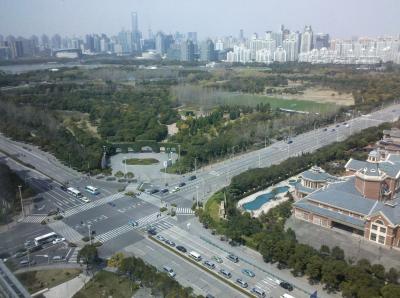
(195, 255)
(287, 296)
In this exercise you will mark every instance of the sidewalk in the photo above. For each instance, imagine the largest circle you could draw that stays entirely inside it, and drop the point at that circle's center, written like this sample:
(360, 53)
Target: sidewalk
(69, 288)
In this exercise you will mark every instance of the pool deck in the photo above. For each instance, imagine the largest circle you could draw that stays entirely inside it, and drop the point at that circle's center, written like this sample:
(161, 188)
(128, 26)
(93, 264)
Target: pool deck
(268, 205)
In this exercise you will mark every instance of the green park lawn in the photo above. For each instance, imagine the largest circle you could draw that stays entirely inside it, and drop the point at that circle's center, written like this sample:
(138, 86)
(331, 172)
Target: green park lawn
(141, 161)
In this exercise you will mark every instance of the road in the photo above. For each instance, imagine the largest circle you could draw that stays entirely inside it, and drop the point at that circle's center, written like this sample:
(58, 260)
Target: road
(109, 213)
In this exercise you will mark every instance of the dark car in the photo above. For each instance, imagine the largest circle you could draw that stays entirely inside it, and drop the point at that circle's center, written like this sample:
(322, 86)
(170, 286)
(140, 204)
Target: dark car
(192, 177)
(63, 187)
(52, 212)
(164, 190)
(152, 231)
(225, 273)
(182, 184)
(181, 248)
(286, 285)
(209, 264)
(289, 141)
(325, 129)
(153, 191)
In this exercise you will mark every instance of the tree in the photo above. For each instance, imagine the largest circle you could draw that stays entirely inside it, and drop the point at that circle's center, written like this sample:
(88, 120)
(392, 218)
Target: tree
(119, 174)
(116, 260)
(391, 291)
(314, 268)
(88, 254)
(392, 276)
(337, 253)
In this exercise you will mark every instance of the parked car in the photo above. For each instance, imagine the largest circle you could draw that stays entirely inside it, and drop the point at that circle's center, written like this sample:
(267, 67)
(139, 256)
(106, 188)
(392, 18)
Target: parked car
(58, 240)
(242, 283)
(217, 259)
(193, 177)
(286, 285)
(170, 243)
(64, 188)
(181, 248)
(248, 272)
(161, 238)
(258, 292)
(225, 273)
(209, 264)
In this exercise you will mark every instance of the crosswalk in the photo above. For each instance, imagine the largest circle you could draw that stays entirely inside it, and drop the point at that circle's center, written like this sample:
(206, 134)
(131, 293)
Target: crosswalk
(154, 220)
(34, 218)
(66, 231)
(74, 257)
(184, 211)
(92, 204)
(267, 284)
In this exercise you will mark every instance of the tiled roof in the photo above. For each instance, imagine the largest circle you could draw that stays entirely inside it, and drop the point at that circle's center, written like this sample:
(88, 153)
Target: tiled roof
(391, 212)
(303, 189)
(341, 218)
(317, 176)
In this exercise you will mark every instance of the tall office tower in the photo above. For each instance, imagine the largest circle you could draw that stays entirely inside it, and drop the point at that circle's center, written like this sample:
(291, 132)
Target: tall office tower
(241, 35)
(268, 35)
(35, 43)
(89, 45)
(187, 51)
(306, 40)
(322, 41)
(96, 43)
(192, 36)
(56, 42)
(285, 32)
(219, 45)
(136, 35)
(207, 52)
(125, 40)
(44, 42)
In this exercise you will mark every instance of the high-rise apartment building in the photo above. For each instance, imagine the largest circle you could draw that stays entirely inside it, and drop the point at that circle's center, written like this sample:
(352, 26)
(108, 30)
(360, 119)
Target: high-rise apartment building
(322, 41)
(306, 40)
(187, 51)
(136, 35)
(207, 51)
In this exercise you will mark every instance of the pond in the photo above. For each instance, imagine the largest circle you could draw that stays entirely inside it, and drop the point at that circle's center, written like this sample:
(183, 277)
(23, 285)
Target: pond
(264, 198)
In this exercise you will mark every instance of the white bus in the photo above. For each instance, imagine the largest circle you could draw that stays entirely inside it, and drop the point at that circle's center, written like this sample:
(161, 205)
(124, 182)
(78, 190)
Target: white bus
(195, 255)
(45, 238)
(91, 189)
(287, 296)
(73, 191)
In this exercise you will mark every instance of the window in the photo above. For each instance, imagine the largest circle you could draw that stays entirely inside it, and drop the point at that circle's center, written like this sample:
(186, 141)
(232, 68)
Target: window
(382, 239)
(374, 227)
(379, 222)
(382, 230)
(373, 237)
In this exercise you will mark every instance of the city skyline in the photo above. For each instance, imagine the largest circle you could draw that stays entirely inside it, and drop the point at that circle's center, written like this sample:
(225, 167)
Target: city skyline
(76, 18)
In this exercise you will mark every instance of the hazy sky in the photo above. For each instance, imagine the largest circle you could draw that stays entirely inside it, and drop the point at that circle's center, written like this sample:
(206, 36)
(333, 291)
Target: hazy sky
(210, 18)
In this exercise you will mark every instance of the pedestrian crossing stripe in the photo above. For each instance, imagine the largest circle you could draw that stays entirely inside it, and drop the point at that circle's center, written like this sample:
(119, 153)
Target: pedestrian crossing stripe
(66, 231)
(34, 218)
(184, 211)
(74, 257)
(92, 204)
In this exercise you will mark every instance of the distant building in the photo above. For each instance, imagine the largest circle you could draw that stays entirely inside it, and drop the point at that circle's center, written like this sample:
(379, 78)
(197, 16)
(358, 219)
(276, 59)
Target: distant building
(207, 51)
(306, 40)
(187, 51)
(322, 41)
(192, 36)
(69, 54)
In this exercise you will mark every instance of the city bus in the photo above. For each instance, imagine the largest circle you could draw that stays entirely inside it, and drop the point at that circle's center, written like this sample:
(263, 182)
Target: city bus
(91, 189)
(73, 191)
(45, 238)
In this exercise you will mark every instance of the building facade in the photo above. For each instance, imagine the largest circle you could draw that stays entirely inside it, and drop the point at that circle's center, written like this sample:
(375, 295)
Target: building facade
(364, 202)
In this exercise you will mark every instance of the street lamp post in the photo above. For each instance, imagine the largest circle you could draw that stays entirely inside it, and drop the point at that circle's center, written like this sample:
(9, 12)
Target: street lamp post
(195, 165)
(22, 204)
(197, 196)
(125, 165)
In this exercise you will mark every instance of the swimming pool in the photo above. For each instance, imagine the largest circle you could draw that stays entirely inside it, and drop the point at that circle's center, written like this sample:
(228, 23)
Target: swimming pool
(264, 198)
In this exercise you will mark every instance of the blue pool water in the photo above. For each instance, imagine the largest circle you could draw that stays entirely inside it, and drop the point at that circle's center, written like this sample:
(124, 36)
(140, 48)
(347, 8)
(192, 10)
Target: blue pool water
(264, 198)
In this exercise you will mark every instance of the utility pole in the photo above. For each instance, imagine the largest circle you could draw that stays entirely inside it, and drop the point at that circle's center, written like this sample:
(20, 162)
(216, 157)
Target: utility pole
(195, 165)
(179, 151)
(90, 235)
(22, 204)
(197, 196)
(125, 165)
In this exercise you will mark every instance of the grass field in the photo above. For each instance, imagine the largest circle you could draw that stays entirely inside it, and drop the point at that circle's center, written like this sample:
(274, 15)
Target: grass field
(293, 104)
(141, 161)
(107, 284)
(37, 280)
(212, 206)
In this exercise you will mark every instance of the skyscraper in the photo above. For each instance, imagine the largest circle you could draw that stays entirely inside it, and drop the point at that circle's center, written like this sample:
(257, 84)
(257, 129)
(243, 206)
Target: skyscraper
(187, 51)
(207, 52)
(322, 41)
(192, 36)
(306, 40)
(136, 35)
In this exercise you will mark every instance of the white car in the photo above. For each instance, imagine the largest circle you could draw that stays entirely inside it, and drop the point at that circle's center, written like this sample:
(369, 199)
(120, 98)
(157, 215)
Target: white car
(85, 199)
(58, 240)
(176, 188)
